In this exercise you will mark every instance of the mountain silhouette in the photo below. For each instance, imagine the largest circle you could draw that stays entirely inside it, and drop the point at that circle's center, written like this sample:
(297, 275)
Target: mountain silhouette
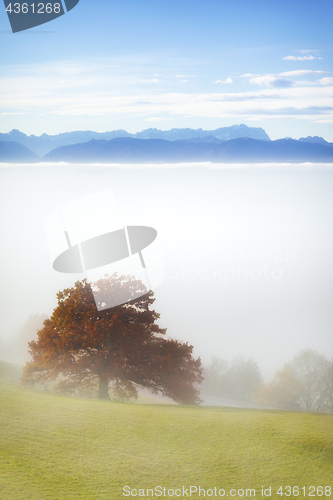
(151, 145)
(133, 150)
(11, 152)
(41, 145)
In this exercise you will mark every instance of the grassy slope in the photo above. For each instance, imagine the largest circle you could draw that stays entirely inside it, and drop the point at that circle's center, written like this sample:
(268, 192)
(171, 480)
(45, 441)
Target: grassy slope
(55, 447)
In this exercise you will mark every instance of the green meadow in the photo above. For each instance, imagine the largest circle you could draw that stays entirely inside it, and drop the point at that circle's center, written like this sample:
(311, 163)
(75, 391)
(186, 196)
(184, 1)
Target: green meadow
(57, 447)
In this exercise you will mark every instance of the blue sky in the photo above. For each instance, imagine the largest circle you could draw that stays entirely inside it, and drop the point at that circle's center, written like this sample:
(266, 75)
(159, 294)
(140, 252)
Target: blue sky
(138, 64)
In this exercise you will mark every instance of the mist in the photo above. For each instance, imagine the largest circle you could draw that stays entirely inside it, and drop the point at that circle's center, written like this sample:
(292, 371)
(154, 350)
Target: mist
(247, 251)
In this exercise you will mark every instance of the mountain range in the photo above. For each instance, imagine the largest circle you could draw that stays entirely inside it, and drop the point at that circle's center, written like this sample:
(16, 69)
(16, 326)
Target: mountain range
(237, 143)
(41, 145)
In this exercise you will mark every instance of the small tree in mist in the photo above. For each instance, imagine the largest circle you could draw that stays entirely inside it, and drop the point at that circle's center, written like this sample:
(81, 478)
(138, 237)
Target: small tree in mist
(282, 391)
(306, 383)
(214, 375)
(243, 378)
(15, 348)
(238, 380)
(123, 346)
(28, 333)
(328, 386)
(312, 372)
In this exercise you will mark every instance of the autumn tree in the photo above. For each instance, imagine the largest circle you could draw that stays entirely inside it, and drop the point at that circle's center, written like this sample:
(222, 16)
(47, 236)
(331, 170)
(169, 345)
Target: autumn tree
(122, 347)
(282, 391)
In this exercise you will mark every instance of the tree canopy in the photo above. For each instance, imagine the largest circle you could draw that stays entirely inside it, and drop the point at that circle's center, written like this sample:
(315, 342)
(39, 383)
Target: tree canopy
(122, 347)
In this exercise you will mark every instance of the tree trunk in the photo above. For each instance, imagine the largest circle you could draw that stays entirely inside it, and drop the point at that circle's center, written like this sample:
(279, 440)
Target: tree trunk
(103, 388)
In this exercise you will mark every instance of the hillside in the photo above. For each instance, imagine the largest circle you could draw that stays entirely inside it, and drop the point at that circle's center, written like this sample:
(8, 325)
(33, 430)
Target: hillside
(55, 447)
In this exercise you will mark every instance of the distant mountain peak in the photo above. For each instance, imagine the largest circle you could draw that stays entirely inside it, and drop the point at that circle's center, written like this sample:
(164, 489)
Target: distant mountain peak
(200, 140)
(223, 133)
(314, 140)
(241, 149)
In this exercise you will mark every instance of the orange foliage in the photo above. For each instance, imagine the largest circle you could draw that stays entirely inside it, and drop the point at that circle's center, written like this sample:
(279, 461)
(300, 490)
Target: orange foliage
(80, 346)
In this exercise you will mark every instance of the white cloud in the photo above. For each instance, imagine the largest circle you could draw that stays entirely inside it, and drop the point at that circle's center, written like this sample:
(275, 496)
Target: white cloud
(301, 72)
(185, 76)
(156, 119)
(301, 58)
(227, 81)
(271, 81)
(328, 80)
(78, 93)
(287, 102)
(307, 51)
(326, 121)
(279, 80)
(150, 80)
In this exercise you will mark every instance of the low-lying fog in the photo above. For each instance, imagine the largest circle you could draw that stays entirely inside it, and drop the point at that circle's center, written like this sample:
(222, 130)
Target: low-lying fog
(247, 251)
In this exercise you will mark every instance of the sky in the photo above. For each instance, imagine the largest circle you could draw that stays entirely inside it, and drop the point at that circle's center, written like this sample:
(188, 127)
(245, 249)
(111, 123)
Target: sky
(202, 64)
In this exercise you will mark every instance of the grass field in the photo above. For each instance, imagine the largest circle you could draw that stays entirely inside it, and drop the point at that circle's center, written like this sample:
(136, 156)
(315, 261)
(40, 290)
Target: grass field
(55, 447)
